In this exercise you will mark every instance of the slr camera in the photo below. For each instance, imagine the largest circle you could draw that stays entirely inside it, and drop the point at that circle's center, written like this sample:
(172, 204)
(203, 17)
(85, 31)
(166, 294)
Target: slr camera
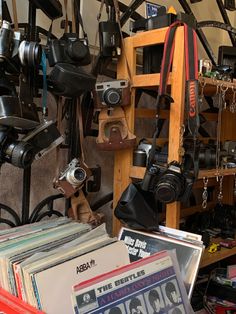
(72, 178)
(112, 94)
(109, 36)
(168, 183)
(69, 49)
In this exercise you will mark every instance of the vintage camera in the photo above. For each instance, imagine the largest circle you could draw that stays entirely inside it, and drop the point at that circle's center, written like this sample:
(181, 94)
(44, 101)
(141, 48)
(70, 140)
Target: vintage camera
(69, 49)
(112, 94)
(44, 138)
(109, 36)
(72, 178)
(9, 42)
(141, 154)
(34, 145)
(168, 183)
(11, 46)
(12, 150)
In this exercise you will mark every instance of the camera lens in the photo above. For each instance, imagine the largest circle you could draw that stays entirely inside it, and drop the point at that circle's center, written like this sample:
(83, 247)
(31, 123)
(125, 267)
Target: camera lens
(30, 53)
(169, 188)
(76, 50)
(139, 158)
(80, 174)
(76, 176)
(19, 154)
(112, 97)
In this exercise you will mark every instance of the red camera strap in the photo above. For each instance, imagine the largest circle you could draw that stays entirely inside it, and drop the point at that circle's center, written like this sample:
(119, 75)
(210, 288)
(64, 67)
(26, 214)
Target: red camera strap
(191, 69)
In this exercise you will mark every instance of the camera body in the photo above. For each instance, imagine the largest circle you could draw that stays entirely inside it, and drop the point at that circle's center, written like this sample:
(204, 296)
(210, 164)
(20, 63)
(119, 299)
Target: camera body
(14, 151)
(141, 154)
(72, 178)
(9, 41)
(168, 183)
(34, 145)
(11, 45)
(109, 38)
(112, 94)
(69, 49)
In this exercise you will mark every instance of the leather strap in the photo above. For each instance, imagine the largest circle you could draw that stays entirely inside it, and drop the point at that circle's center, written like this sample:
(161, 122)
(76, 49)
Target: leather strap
(117, 9)
(79, 17)
(14, 10)
(191, 69)
(81, 130)
(73, 17)
(1, 12)
(66, 18)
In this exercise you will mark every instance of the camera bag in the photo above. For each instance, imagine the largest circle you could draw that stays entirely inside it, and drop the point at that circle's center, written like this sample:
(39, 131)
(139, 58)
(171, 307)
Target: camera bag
(69, 80)
(135, 208)
(114, 133)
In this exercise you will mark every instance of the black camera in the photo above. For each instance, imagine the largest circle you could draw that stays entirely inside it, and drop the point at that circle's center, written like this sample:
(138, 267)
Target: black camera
(109, 36)
(112, 93)
(72, 178)
(12, 150)
(141, 154)
(44, 138)
(34, 145)
(69, 49)
(168, 183)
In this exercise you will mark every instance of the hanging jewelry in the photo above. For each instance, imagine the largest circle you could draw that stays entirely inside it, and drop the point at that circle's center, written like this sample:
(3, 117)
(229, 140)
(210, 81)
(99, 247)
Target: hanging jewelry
(232, 106)
(181, 145)
(220, 194)
(235, 185)
(201, 97)
(205, 193)
(223, 92)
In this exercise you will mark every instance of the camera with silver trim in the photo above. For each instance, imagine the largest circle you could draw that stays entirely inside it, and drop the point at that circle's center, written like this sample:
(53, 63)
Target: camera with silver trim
(72, 178)
(12, 45)
(112, 94)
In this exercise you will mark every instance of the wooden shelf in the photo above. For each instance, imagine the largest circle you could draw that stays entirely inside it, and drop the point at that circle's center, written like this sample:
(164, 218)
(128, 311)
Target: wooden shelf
(210, 258)
(213, 173)
(210, 87)
(138, 172)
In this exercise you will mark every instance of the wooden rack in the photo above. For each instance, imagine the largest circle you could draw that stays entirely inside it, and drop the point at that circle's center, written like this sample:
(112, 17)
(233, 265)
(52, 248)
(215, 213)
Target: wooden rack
(123, 159)
(124, 171)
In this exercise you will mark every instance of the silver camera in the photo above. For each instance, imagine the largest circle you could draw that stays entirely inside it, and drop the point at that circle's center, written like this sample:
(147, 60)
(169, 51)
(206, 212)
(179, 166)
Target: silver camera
(112, 93)
(72, 178)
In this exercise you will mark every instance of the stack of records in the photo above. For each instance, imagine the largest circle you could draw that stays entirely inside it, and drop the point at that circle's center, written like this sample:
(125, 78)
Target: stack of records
(39, 263)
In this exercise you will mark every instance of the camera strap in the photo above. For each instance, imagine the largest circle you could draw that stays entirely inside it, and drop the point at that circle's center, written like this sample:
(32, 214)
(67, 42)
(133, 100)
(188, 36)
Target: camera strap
(117, 9)
(1, 12)
(15, 18)
(66, 18)
(191, 69)
(79, 17)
